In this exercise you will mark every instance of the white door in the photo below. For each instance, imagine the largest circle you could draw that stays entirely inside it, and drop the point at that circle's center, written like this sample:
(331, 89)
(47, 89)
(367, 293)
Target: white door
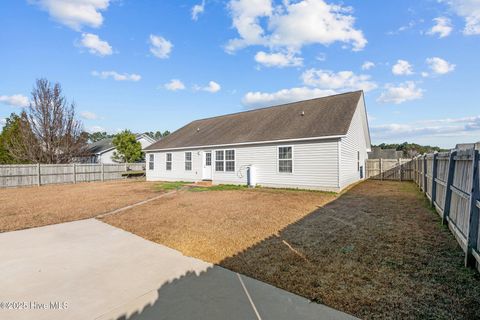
(207, 165)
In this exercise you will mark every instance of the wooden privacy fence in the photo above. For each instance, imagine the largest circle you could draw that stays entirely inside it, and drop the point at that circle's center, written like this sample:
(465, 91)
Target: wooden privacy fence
(19, 175)
(451, 181)
(389, 169)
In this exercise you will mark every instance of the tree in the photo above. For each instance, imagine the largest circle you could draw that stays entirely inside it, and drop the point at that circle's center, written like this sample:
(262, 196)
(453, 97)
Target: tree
(158, 134)
(97, 136)
(10, 132)
(49, 131)
(128, 148)
(410, 150)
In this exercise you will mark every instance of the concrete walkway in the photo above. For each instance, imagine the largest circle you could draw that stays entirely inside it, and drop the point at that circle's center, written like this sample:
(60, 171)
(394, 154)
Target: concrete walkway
(90, 270)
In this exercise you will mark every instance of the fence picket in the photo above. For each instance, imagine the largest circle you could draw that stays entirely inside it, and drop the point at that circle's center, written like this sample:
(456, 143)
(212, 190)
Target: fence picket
(42, 174)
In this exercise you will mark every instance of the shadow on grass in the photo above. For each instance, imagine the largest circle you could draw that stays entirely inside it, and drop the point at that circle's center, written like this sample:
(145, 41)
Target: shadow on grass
(375, 252)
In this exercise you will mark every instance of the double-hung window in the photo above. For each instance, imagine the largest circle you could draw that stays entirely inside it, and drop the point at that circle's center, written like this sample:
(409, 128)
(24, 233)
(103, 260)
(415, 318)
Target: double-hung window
(188, 161)
(219, 160)
(168, 162)
(151, 161)
(225, 160)
(285, 160)
(230, 160)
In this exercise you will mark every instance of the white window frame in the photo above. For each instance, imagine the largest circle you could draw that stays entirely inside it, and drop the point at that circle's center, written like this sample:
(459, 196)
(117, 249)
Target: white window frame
(224, 160)
(278, 159)
(151, 161)
(167, 162)
(358, 161)
(188, 161)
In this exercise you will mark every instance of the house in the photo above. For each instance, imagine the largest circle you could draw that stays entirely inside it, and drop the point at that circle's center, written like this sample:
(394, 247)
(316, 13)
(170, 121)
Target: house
(314, 144)
(102, 151)
(379, 153)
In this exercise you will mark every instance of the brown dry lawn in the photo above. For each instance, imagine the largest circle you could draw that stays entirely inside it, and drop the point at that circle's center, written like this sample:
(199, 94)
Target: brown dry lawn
(22, 208)
(377, 251)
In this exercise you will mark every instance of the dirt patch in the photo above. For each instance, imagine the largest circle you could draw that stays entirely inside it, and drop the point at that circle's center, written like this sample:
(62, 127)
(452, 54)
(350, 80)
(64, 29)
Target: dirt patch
(22, 208)
(377, 251)
(213, 225)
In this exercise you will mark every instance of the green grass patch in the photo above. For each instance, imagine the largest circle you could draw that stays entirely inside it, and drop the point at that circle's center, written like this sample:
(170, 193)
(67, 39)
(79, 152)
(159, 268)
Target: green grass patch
(219, 187)
(168, 186)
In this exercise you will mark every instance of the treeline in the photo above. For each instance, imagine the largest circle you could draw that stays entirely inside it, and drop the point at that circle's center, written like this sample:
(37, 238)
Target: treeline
(97, 136)
(409, 149)
(48, 131)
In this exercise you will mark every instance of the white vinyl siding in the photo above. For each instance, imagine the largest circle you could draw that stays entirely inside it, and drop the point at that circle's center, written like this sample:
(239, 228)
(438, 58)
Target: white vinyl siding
(353, 149)
(315, 166)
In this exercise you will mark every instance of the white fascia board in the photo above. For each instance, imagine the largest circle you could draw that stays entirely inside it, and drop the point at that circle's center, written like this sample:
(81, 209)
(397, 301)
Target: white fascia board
(249, 143)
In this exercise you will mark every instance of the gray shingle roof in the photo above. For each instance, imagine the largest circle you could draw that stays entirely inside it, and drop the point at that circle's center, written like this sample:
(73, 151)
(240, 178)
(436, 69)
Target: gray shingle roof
(100, 146)
(106, 144)
(327, 116)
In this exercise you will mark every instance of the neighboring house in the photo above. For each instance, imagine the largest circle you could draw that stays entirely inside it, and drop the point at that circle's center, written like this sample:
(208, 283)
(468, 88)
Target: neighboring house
(102, 151)
(466, 146)
(379, 153)
(314, 144)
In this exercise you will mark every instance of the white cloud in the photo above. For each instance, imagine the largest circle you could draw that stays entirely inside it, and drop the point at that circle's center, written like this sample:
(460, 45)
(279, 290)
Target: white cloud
(292, 25)
(341, 81)
(402, 68)
(75, 13)
(443, 27)
(317, 83)
(212, 87)
(3, 122)
(174, 85)
(403, 92)
(117, 76)
(160, 47)
(95, 45)
(437, 127)
(88, 115)
(16, 100)
(197, 10)
(367, 65)
(470, 11)
(279, 60)
(440, 66)
(257, 99)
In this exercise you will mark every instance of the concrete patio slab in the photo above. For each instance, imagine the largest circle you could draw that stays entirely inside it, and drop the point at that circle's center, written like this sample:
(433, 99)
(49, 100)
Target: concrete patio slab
(90, 270)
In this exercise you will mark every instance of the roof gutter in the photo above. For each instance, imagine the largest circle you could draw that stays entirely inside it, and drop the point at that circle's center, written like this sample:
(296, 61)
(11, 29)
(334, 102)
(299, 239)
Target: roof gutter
(248, 143)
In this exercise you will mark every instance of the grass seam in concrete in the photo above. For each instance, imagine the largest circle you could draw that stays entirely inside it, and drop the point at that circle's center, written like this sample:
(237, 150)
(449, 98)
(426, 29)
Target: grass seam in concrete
(103, 215)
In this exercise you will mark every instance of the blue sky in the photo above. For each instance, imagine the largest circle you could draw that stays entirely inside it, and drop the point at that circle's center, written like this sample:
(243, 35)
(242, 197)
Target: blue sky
(156, 65)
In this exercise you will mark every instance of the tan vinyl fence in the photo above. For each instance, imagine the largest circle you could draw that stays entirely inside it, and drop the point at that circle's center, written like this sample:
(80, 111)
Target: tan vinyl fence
(19, 175)
(451, 181)
(389, 169)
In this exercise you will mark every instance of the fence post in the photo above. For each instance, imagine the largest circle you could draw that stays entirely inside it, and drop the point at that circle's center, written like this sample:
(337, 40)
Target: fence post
(381, 169)
(74, 173)
(448, 191)
(103, 171)
(425, 173)
(434, 176)
(472, 235)
(399, 162)
(39, 175)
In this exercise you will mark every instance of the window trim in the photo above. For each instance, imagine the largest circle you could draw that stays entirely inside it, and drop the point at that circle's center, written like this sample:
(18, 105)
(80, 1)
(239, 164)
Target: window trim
(278, 159)
(151, 161)
(188, 161)
(168, 162)
(358, 161)
(225, 160)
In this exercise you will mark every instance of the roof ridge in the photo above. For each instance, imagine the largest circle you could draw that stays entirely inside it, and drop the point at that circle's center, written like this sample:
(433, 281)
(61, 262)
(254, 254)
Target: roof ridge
(276, 106)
